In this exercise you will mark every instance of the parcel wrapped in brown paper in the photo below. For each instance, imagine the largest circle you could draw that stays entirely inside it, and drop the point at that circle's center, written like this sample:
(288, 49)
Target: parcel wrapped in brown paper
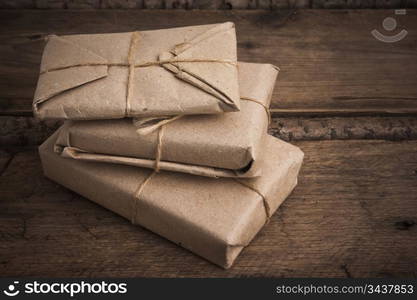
(222, 145)
(213, 217)
(186, 70)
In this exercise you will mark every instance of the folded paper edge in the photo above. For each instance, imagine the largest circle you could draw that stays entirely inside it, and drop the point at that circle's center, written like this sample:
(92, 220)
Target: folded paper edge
(101, 71)
(227, 102)
(233, 251)
(191, 79)
(61, 39)
(206, 171)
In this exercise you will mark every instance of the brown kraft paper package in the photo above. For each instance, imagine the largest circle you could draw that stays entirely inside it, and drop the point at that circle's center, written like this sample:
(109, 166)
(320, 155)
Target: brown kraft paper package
(186, 70)
(212, 217)
(222, 145)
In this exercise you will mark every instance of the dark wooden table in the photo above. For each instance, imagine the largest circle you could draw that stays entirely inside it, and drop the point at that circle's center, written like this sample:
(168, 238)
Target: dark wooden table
(348, 100)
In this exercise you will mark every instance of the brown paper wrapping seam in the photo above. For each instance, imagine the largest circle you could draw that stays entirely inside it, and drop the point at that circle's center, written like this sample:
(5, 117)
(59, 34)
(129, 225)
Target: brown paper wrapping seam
(158, 149)
(167, 121)
(133, 42)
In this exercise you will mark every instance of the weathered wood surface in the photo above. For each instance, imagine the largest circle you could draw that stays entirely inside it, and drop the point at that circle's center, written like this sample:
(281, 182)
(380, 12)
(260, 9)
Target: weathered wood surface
(28, 131)
(205, 4)
(353, 214)
(330, 63)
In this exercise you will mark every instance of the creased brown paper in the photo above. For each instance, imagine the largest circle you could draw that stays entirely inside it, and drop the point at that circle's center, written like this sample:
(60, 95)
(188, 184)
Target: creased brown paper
(222, 145)
(214, 218)
(186, 70)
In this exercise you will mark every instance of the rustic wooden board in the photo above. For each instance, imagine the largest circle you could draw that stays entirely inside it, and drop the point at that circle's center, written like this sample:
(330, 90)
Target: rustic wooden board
(330, 64)
(29, 131)
(5, 159)
(205, 4)
(353, 214)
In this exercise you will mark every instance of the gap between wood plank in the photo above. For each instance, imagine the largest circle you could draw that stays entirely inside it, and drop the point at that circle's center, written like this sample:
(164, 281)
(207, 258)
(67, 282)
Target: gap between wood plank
(26, 131)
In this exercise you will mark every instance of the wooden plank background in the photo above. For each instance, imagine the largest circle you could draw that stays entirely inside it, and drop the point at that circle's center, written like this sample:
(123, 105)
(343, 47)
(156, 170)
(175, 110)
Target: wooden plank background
(330, 64)
(353, 214)
(204, 4)
(28, 131)
(354, 211)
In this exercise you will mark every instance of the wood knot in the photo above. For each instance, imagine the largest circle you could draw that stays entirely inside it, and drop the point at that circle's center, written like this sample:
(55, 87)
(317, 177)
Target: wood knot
(404, 225)
(248, 45)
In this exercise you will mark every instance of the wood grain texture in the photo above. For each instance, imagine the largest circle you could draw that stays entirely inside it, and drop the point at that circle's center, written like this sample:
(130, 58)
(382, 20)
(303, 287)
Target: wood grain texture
(353, 214)
(28, 131)
(206, 4)
(315, 129)
(330, 64)
(5, 159)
